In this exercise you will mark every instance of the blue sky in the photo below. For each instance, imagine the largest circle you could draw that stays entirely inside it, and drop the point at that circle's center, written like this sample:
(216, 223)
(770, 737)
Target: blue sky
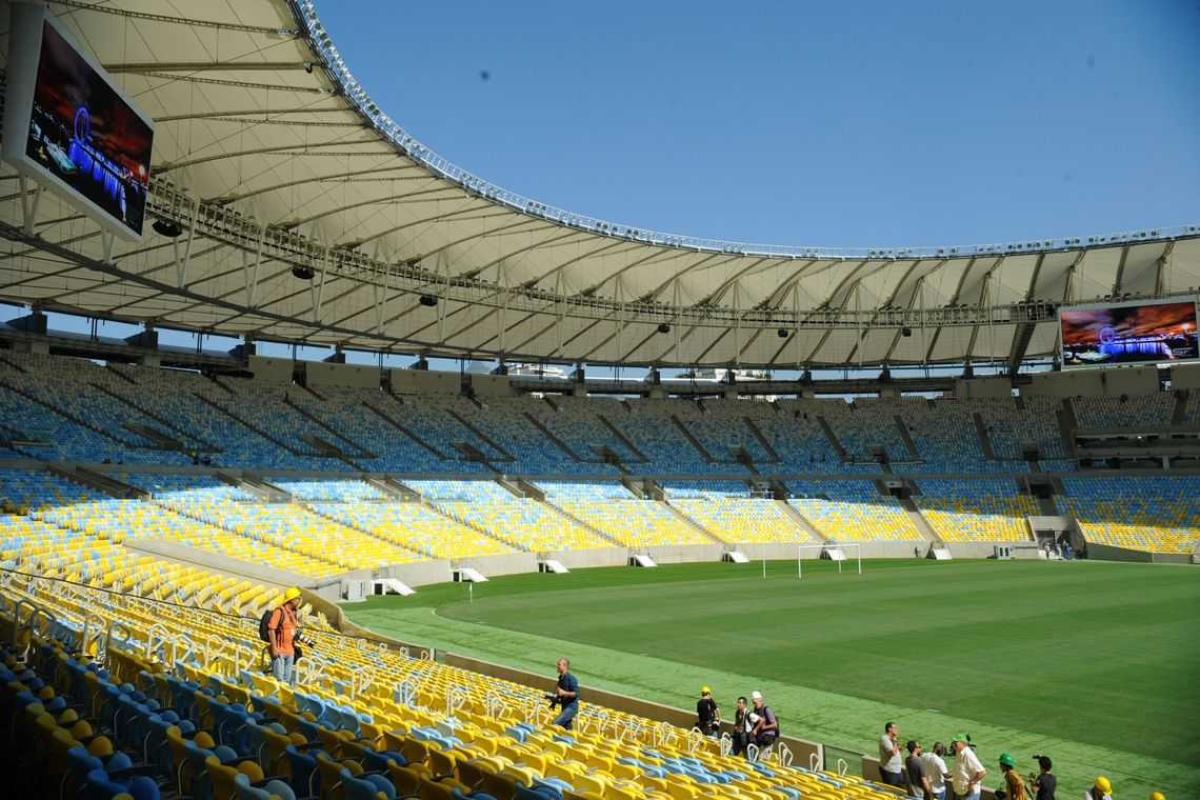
(851, 124)
(835, 124)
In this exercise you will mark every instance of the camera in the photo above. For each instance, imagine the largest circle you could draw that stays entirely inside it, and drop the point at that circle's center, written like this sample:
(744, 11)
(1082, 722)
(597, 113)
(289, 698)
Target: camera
(552, 699)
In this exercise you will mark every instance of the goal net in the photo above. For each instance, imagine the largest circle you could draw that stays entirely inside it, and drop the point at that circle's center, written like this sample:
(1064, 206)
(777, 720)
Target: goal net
(849, 554)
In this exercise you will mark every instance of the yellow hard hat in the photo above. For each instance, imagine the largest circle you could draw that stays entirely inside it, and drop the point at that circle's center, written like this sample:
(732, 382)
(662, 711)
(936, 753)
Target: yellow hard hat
(291, 594)
(1103, 784)
(1157, 796)
(705, 690)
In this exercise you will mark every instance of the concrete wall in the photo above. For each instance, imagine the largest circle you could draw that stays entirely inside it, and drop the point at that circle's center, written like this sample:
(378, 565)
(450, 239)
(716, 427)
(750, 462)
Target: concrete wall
(321, 374)
(1186, 377)
(677, 554)
(1111, 382)
(502, 565)
(421, 573)
(982, 387)
(415, 381)
(1104, 552)
(580, 559)
(271, 370)
(492, 386)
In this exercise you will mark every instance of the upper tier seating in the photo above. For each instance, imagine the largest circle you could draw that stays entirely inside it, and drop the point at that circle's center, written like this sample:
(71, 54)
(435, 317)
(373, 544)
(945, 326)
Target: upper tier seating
(852, 511)
(976, 510)
(1154, 514)
(1141, 411)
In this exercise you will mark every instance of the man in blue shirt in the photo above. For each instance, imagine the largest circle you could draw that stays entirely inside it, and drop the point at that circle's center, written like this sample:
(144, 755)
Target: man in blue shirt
(566, 695)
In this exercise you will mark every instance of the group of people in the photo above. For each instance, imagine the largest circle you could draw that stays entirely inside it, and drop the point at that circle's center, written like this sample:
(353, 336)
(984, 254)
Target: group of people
(926, 774)
(922, 773)
(754, 722)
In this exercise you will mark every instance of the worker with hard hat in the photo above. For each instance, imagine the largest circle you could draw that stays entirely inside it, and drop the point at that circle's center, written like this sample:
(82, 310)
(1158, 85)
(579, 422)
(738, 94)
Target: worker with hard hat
(1101, 790)
(282, 629)
(1014, 787)
(708, 713)
(1157, 796)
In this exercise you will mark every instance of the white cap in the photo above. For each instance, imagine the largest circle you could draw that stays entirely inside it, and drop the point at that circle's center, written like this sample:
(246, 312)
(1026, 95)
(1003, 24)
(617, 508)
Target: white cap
(756, 695)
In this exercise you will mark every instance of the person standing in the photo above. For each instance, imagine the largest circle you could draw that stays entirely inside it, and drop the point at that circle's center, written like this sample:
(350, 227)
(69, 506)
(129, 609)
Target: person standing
(890, 763)
(1045, 782)
(708, 713)
(766, 724)
(282, 627)
(1101, 790)
(935, 771)
(914, 768)
(741, 727)
(968, 771)
(1014, 787)
(566, 695)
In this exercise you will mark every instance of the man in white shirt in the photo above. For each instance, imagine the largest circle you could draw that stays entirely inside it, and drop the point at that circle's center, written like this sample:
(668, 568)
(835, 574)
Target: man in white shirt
(968, 771)
(935, 770)
(890, 763)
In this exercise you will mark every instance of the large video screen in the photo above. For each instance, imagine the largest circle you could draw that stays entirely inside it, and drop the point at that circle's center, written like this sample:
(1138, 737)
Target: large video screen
(1129, 334)
(70, 128)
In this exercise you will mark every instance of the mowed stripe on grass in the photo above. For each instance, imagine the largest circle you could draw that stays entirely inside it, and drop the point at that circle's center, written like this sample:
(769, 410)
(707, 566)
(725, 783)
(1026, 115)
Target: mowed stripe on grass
(1094, 663)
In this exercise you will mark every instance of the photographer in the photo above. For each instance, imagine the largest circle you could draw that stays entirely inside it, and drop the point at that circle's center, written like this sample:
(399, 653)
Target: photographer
(1044, 783)
(708, 713)
(283, 631)
(566, 695)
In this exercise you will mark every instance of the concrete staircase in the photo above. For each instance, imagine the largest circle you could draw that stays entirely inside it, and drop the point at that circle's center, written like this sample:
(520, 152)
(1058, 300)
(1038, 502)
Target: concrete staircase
(918, 520)
(712, 537)
(802, 522)
(405, 431)
(54, 408)
(98, 481)
(906, 437)
(365, 532)
(1180, 412)
(245, 423)
(552, 437)
(356, 449)
(190, 439)
(592, 529)
(834, 442)
(692, 440)
(762, 440)
(483, 437)
(985, 441)
(621, 437)
(435, 508)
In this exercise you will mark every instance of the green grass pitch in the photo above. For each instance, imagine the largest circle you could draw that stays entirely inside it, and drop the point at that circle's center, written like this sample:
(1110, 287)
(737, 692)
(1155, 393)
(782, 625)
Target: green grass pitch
(1095, 664)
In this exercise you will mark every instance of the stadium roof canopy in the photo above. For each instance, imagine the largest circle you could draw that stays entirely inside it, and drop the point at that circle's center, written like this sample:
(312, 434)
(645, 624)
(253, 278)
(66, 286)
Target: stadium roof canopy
(270, 156)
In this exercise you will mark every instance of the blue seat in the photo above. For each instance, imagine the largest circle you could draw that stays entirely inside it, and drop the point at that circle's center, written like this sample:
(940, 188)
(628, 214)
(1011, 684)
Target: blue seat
(366, 787)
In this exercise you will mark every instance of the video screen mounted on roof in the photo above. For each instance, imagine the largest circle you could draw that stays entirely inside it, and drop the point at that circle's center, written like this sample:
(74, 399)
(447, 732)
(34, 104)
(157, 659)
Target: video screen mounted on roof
(1135, 333)
(73, 130)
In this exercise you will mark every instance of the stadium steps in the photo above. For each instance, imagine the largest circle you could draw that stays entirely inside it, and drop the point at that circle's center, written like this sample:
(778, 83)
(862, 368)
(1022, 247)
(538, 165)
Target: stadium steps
(435, 508)
(256, 484)
(1179, 415)
(696, 444)
(356, 449)
(1068, 423)
(406, 431)
(918, 520)
(390, 542)
(67, 415)
(188, 437)
(592, 529)
(281, 543)
(553, 437)
(985, 441)
(827, 429)
(97, 481)
(695, 525)
(393, 488)
(802, 521)
(762, 440)
(250, 426)
(483, 437)
(622, 438)
(906, 436)
(161, 440)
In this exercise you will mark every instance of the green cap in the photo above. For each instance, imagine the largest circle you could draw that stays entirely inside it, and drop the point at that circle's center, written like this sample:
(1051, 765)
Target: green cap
(1006, 760)
(960, 737)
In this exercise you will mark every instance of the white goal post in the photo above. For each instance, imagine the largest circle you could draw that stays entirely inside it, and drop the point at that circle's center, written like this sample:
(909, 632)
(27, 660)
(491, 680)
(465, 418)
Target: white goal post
(835, 551)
